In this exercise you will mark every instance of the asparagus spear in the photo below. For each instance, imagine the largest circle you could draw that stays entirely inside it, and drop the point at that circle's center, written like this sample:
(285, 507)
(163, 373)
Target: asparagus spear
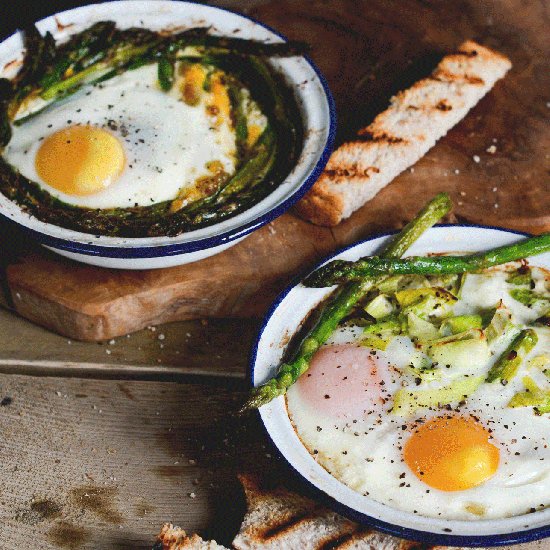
(509, 362)
(166, 69)
(340, 305)
(339, 271)
(199, 37)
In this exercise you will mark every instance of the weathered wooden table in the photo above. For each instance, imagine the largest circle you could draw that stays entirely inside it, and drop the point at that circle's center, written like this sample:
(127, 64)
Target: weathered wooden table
(102, 443)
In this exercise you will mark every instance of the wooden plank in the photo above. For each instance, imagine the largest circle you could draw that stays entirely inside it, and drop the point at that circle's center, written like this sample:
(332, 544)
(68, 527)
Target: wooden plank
(100, 464)
(209, 348)
(367, 51)
(92, 464)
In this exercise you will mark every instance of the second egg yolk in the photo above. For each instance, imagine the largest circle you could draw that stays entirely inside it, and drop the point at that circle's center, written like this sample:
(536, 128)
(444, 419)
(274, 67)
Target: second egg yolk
(80, 160)
(451, 453)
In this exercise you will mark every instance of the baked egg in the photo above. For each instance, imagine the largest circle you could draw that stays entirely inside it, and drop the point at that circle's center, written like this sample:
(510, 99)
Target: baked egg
(434, 396)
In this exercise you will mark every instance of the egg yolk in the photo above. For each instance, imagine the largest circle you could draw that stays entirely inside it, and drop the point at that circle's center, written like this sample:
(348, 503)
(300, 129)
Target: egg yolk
(451, 453)
(80, 160)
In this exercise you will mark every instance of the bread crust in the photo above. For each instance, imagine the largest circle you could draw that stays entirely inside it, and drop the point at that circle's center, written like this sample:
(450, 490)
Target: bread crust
(403, 133)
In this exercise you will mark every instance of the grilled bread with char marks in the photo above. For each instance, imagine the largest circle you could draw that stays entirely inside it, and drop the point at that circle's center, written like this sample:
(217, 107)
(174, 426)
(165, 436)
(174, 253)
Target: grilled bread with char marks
(174, 538)
(401, 135)
(279, 519)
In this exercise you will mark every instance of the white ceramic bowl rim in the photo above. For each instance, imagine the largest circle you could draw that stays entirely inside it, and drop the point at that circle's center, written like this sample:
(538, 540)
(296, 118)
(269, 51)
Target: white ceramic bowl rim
(441, 533)
(234, 227)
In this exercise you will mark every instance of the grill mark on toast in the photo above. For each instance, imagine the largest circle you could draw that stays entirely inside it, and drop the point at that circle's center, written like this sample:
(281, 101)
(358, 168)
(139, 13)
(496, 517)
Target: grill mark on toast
(441, 75)
(444, 105)
(466, 53)
(366, 134)
(342, 541)
(288, 524)
(352, 172)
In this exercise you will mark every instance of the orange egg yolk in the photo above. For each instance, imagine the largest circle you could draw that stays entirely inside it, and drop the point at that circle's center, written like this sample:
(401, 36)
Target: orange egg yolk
(80, 160)
(451, 453)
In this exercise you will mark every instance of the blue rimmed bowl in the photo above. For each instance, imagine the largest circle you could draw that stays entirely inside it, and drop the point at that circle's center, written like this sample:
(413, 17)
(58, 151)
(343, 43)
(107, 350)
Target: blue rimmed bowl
(318, 121)
(285, 318)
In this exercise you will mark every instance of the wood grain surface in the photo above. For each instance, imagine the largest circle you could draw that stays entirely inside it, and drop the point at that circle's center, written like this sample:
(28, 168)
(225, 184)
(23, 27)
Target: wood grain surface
(368, 50)
(101, 465)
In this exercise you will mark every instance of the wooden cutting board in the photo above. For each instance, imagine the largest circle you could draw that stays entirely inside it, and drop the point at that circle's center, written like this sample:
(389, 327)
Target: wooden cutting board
(495, 164)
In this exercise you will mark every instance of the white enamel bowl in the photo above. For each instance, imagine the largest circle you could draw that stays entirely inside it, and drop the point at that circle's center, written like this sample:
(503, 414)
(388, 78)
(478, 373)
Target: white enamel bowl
(318, 120)
(283, 320)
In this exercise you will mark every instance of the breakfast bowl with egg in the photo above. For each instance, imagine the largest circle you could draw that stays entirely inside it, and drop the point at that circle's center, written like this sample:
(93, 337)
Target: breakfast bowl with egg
(425, 413)
(146, 134)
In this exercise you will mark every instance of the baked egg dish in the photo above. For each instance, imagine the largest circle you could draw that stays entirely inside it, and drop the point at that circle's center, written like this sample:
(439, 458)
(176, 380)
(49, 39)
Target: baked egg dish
(140, 133)
(433, 395)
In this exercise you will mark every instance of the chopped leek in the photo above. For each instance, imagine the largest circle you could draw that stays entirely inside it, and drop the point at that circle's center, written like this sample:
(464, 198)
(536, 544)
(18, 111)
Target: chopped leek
(461, 323)
(425, 302)
(407, 401)
(528, 297)
(520, 279)
(376, 341)
(421, 330)
(379, 307)
(462, 354)
(392, 324)
(533, 396)
(542, 363)
(500, 325)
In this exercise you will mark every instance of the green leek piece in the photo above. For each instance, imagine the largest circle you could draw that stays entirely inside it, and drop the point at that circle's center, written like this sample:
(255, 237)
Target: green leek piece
(425, 302)
(509, 362)
(520, 279)
(528, 297)
(379, 307)
(533, 396)
(462, 354)
(421, 330)
(393, 324)
(407, 401)
(377, 341)
(542, 363)
(500, 324)
(460, 323)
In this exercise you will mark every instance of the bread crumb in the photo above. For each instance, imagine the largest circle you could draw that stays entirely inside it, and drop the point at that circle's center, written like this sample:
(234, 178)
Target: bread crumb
(476, 158)
(192, 495)
(108, 351)
(495, 189)
(457, 171)
(161, 336)
(112, 342)
(492, 149)
(192, 462)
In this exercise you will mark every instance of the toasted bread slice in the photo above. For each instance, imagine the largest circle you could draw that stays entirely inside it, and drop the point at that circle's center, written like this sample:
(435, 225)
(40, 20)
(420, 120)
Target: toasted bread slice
(278, 519)
(401, 135)
(174, 538)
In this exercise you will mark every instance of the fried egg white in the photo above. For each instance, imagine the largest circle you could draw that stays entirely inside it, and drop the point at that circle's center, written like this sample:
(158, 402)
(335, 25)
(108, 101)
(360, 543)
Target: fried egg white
(121, 143)
(342, 412)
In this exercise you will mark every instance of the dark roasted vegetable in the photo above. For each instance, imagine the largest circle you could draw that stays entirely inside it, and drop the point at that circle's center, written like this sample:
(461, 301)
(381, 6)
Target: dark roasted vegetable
(101, 52)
